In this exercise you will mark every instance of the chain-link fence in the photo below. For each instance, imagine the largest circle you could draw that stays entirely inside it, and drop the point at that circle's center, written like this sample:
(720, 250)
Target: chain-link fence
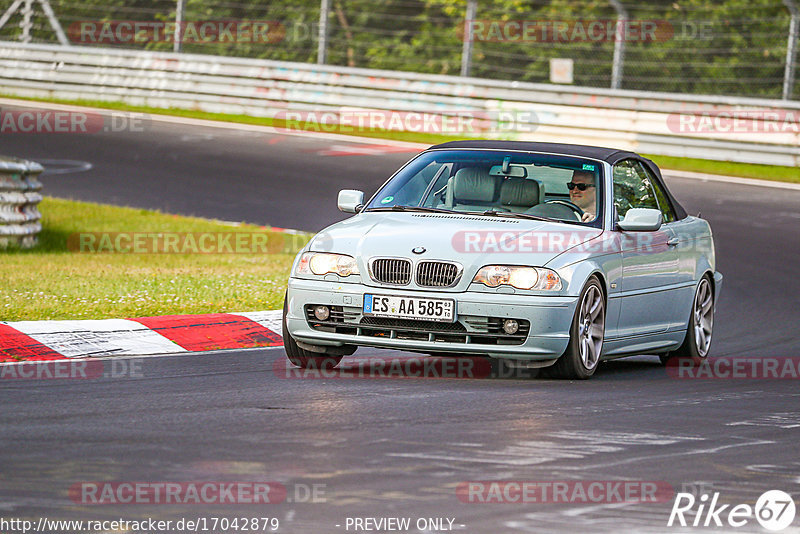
(732, 47)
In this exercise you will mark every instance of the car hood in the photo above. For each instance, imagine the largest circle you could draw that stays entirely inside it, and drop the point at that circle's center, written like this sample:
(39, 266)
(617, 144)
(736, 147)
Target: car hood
(473, 241)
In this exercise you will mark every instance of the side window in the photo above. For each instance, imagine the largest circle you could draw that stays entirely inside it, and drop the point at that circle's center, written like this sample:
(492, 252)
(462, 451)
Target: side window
(632, 188)
(661, 196)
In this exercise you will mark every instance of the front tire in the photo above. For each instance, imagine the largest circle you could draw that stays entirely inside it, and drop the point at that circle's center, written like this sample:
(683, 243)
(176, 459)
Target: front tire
(587, 332)
(697, 342)
(302, 358)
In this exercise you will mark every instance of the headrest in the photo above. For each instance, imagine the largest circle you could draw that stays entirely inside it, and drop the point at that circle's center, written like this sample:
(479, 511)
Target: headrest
(519, 192)
(473, 184)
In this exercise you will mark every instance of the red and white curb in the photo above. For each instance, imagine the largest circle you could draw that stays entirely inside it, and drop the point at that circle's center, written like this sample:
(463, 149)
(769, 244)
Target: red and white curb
(56, 340)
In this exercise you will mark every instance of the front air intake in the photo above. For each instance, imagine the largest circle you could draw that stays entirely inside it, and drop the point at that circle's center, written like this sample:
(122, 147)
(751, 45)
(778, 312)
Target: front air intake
(437, 274)
(392, 271)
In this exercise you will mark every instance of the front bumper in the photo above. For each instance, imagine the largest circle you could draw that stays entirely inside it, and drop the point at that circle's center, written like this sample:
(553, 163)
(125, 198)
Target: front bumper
(546, 339)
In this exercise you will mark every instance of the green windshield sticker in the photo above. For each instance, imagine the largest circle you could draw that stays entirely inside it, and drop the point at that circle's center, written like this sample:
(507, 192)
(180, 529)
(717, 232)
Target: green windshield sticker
(387, 200)
(587, 167)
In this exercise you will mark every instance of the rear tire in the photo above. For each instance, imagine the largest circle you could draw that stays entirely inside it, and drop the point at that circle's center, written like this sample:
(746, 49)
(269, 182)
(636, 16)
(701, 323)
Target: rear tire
(697, 342)
(582, 356)
(301, 357)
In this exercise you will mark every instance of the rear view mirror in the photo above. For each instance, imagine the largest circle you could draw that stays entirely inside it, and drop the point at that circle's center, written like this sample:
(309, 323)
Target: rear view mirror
(513, 171)
(641, 220)
(350, 200)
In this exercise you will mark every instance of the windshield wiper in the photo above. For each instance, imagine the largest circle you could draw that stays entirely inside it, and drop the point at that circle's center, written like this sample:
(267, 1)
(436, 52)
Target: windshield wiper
(488, 213)
(493, 213)
(411, 208)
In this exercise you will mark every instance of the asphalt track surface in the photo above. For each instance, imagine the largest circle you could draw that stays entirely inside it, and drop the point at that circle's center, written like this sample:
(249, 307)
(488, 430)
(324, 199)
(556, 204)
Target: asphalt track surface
(399, 446)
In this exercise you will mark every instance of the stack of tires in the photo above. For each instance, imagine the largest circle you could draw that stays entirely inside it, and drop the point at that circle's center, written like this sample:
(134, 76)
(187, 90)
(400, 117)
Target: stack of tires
(20, 220)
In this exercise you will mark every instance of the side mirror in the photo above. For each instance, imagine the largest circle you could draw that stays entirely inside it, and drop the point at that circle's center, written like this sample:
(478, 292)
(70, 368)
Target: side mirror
(641, 220)
(350, 200)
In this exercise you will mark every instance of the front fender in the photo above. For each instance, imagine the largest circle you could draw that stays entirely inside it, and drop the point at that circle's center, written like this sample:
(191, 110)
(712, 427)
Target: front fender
(608, 268)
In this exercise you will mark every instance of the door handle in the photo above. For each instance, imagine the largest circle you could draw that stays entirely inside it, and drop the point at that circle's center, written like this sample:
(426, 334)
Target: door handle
(673, 242)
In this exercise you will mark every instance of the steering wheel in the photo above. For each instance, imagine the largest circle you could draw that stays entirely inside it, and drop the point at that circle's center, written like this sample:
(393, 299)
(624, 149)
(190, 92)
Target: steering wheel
(578, 211)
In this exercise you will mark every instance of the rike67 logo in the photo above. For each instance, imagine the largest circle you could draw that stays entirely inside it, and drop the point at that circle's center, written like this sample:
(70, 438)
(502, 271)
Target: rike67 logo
(774, 510)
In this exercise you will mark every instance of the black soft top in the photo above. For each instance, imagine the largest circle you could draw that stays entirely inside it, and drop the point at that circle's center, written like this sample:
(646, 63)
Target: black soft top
(609, 155)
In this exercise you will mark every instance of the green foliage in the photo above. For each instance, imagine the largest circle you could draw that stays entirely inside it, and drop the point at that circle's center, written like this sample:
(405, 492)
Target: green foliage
(731, 47)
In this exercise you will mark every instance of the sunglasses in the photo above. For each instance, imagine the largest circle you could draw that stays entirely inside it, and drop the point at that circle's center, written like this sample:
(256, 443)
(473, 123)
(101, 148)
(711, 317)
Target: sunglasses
(581, 187)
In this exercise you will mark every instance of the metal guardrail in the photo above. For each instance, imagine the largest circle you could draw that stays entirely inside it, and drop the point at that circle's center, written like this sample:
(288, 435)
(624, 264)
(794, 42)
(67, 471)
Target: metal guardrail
(19, 199)
(641, 121)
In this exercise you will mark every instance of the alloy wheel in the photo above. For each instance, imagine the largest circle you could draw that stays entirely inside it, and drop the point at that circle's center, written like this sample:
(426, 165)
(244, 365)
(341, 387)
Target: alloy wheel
(591, 327)
(703, 317)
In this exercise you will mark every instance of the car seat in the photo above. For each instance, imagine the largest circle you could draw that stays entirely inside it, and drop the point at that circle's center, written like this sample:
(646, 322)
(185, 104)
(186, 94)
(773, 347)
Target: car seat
(471, 189)
(520, 194)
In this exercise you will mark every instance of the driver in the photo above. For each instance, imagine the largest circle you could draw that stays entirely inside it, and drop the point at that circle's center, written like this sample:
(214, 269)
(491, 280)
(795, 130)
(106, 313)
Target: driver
(582, 193)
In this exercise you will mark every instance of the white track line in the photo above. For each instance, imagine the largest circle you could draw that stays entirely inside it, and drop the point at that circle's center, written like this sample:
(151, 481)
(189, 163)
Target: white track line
(142, 356)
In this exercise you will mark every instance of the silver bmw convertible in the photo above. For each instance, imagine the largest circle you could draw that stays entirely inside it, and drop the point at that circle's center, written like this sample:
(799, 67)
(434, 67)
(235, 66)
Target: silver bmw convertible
(536, 254)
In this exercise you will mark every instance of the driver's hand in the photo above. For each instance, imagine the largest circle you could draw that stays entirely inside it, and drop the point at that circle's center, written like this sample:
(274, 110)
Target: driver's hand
(586, 217)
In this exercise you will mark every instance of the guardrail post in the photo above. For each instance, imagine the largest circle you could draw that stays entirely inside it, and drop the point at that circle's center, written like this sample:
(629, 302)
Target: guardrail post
(466, 49)
(619, 44)
(322, 45)
(791, 49)
(179, 14)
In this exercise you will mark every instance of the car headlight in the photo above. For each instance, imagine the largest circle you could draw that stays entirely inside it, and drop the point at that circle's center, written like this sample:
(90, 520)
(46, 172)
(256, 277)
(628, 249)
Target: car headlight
(320, 263)
(520, 277)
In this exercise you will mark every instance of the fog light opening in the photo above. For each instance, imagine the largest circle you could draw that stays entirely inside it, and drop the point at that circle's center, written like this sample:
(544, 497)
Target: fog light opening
(510, 326)
(322, 313)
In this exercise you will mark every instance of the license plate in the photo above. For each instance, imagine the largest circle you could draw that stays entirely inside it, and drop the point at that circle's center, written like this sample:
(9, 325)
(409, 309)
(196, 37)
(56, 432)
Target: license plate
(410, 308)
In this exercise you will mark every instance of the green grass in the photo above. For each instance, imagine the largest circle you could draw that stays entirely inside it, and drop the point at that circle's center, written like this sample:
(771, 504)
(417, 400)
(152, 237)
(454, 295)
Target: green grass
(745, 170)
(51, 281)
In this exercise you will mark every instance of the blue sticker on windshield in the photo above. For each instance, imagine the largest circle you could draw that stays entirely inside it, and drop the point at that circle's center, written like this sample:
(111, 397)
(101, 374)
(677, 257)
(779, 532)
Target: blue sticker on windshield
(387, 200)
(587, 167)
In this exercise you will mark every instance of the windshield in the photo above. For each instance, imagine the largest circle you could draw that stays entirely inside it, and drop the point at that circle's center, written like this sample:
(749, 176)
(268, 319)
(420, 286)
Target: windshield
(512, 184)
